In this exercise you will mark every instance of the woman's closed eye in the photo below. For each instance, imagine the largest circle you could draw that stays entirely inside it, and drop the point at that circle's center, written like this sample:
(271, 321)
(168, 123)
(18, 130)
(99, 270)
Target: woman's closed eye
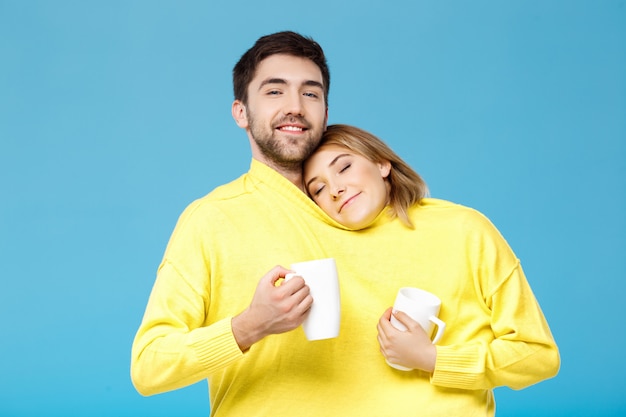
(317, 190)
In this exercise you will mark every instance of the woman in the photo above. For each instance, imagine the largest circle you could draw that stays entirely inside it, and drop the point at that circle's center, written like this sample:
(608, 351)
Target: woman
(495, 326)
(394, 183)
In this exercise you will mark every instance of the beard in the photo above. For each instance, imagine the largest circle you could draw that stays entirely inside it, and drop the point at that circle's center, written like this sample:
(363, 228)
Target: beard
(280, 148)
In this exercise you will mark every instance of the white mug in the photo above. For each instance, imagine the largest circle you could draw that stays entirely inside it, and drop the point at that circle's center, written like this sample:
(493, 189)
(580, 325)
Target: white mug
(322, 321)
(421, 306)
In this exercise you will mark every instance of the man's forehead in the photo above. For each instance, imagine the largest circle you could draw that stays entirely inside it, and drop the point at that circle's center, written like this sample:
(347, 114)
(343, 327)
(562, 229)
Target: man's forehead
(287, 69)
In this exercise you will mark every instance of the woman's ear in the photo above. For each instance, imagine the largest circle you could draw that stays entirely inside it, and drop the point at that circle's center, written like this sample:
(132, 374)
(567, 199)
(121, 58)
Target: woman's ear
(385, 168)
(240, 114)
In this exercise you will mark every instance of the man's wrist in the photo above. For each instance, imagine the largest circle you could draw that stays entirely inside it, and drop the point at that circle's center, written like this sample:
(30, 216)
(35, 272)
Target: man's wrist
(245, 334)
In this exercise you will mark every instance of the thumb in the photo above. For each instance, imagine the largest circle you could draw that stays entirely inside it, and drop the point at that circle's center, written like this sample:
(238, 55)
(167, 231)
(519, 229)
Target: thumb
(387, 314)
(274, 274)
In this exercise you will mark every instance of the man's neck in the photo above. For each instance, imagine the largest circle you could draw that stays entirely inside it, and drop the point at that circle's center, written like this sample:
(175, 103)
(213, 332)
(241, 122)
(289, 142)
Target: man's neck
(293, 174)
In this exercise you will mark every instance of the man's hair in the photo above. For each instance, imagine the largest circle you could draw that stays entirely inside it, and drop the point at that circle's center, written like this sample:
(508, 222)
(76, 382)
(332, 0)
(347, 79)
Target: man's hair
(288, 43)
(406, 186)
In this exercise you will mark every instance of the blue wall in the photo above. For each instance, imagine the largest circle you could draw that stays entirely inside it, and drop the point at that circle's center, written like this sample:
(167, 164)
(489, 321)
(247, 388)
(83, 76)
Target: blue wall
(116, 114)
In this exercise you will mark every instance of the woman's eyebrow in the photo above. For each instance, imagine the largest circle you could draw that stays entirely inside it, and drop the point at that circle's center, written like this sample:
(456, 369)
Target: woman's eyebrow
(333, 162)
(309, 182)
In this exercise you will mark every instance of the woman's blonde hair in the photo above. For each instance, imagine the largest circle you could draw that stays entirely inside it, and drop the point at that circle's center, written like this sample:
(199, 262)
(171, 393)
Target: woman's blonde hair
(406, 185)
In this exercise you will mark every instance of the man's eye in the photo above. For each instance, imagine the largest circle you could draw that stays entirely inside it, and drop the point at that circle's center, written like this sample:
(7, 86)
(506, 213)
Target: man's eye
(273, 92)
(312, 95)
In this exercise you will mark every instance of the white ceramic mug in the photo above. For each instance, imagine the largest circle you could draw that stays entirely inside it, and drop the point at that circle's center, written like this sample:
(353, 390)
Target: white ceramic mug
(423, 307)
(323, 318)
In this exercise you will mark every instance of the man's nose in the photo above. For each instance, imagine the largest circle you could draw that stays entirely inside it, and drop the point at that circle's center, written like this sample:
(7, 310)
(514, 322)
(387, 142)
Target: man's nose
(293, 104)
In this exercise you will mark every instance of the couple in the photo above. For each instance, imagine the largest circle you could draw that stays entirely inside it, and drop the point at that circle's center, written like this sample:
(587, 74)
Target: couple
(209, 316)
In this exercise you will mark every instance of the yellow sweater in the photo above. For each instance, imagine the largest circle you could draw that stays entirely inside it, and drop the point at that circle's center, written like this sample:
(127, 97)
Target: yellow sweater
(496, 334)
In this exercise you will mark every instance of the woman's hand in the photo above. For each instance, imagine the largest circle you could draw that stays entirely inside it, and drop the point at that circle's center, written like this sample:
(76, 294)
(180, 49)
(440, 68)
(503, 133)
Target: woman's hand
(411, 349)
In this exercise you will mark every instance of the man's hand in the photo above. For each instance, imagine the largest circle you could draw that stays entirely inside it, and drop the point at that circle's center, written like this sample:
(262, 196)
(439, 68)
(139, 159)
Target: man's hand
(274, 309)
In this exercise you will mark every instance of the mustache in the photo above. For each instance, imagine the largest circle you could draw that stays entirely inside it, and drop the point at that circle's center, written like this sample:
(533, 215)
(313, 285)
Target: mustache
(293, 120)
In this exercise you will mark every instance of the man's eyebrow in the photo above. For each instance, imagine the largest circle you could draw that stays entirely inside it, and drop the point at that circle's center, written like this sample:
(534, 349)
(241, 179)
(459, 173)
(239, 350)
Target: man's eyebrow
(313, 83)
(333, 162)
(309, 83)
(272, 81)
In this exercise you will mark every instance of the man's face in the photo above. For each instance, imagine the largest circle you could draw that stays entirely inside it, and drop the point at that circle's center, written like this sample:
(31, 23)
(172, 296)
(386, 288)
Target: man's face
(286, 112)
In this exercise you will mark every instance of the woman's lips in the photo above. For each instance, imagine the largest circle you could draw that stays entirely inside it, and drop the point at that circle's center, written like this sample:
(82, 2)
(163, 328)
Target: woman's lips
(348, 201)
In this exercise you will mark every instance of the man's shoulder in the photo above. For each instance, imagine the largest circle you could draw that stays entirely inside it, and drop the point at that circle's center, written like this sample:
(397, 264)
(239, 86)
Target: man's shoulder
(228, 191)
(216, 198)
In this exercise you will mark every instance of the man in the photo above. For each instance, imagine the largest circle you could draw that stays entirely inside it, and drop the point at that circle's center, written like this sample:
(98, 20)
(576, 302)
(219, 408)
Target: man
(201, 316)
(210, 317)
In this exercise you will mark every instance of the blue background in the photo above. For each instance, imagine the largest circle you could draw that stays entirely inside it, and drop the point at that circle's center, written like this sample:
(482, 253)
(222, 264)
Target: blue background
(114, 115)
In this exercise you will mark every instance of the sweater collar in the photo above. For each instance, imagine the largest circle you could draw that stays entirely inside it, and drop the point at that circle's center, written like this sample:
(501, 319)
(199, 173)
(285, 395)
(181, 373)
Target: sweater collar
(259, 172)
(263, 173)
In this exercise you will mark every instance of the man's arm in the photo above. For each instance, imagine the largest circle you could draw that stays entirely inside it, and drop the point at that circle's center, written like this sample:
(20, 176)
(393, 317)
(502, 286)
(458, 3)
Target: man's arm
(174, 348)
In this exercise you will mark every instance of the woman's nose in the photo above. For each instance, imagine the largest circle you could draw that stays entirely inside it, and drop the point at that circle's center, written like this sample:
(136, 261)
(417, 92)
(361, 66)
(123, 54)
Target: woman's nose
(336, 191)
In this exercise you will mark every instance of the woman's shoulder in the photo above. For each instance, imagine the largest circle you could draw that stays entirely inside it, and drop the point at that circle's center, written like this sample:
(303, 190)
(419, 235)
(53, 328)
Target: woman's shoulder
(453, 214)
(444, 207)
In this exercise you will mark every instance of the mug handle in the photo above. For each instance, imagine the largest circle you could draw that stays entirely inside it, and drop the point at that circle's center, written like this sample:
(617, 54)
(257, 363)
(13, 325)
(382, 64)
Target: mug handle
(441, 326)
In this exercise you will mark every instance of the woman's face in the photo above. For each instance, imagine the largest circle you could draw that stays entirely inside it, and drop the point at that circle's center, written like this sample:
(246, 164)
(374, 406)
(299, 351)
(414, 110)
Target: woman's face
(346, 185)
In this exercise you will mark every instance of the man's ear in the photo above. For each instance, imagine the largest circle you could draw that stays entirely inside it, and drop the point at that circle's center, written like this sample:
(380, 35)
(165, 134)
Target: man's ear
(240, 114)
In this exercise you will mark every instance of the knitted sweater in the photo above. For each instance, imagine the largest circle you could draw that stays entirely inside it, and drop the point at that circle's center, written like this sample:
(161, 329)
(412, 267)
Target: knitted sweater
(496, 334)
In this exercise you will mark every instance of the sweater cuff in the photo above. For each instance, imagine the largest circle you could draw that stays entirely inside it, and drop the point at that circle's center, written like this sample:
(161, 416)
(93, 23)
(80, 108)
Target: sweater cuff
(215, 345)
(455, 369)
